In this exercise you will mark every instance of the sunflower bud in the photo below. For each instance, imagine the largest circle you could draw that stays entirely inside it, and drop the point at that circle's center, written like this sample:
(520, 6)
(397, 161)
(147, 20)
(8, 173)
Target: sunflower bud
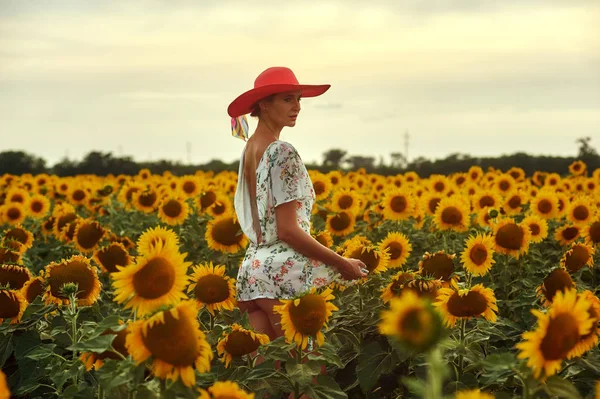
(69, 289)
(493, 213)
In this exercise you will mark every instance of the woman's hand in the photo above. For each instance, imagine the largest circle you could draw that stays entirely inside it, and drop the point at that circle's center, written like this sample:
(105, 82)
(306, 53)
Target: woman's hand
(352, 269)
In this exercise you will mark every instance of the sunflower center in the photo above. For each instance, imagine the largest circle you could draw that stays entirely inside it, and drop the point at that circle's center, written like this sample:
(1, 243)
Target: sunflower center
(64, 220)
(577, 258)
(535, 229)
(72, 272)
(398, 203)
(212, 289)
(78, 195)
(9, 256)
(36, 206)
(207, 199)
(9, 305)
(570, 233)
(581, 212)
(510, 236)
(13, 213)
(189, 187)
(545, 206)
(395, 250)
(433, 203)
(174, 341)
(486, 201)
(414, 324)
(155, 279)
(89, 235)
(514, 202)
(148, 199)
(594, 232)
(504, 185)
(240, 343)
(340, 222)
(310, 314)
(370, 259)
(345, 201)
(452, 215)
(218, 208)
(319, 187)
(17, 234)
(130, 191)
(17, 198)
(172, 208)
(557, 280)
(113, 256)
(439, 266)
(15, 276)
(439, 187)
(470, 305)
(34, 289)
(226, 232)
(478, 254)
(460, 180)
(561, 336)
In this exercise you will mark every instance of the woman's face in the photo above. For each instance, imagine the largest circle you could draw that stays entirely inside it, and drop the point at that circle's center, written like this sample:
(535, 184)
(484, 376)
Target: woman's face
(283, 109)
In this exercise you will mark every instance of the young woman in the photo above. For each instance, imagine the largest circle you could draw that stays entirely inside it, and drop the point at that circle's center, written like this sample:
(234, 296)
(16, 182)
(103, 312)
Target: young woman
(273, 202)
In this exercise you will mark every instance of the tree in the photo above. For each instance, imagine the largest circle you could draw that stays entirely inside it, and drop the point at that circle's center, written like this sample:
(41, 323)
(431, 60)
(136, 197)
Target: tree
(585, 149)
(19, 162)
(356, 162)
(333, 158)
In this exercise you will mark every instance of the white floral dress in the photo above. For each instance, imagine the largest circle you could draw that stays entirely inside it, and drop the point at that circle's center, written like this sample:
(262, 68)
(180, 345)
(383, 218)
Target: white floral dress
(272, 269)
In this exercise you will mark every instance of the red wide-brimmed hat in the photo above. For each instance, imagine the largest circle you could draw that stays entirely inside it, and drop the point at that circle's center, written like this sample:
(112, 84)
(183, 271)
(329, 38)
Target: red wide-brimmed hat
(271, 81)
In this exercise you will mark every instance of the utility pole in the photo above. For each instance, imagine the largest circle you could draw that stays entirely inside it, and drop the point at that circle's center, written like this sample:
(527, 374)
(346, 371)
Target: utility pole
(406, 142)
(188, 147)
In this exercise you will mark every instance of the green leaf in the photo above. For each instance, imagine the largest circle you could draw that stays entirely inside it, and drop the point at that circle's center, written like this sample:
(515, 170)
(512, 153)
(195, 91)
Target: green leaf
(98, 345)
(329, 354)
(326, 388)
(6, 348)
(41, 352)
(414, 385)
(302, 373)
(558, 386)
(499, 361)
(372, 362)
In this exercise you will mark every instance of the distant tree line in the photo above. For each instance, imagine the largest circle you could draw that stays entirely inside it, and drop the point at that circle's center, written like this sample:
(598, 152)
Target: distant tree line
(102, 164)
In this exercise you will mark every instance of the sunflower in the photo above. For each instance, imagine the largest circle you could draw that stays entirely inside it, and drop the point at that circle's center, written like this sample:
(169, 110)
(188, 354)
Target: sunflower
(558, 280)
(305, 316)
(206, 199)
(557, 334)
(155, 279)
(412, 321)
(322, 186)
(567, 234)
(76, 269)
(511, 238)
(10, 254)
(39, 206)
(222, 205)
(375, 259)
(429, 202)
(538, 178)
(475, 173)
(591, 232)
(151, 236)
(538, 227)
(589, 340)
(111, 256)
(13, 213)
(174, 341)
(341, 223)
(396, 286)
(544, 204)
(477, 257)
(172, 210)
(438, 184)
(96, 360)
(452, 213)
(398, 246)
(224, 234)
(484, 219)
(344, 199)
(47, 226)
(12, 305)
(212, 287)
(514, 202)
(189, 186)
(14, 246)
(563, 203)
(239, 342)
(578, 256)
(466, 303)
(4, 391)
(19, 234)
(145, 201)
(473, 394)
(14, 276)
(578, 168)
(398, 203)
(580, 210)
(335, 177)
(63, 221)
(33, 288)
(324, 238)
(87, 235)
(552, 180)
(144, 174)
(459, 179)
(438, 265)
(225, 390)
(78, 195)
(17, 195)
(486, 199)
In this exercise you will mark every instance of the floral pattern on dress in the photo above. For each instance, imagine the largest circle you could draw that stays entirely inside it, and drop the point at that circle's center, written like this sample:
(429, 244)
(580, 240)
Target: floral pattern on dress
(272, 269)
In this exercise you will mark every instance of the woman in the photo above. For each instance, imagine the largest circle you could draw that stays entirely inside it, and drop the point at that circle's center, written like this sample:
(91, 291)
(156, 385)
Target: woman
(273, 202)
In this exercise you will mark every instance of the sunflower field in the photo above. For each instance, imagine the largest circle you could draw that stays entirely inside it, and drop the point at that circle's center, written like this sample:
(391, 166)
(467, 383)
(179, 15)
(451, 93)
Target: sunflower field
(481, 285)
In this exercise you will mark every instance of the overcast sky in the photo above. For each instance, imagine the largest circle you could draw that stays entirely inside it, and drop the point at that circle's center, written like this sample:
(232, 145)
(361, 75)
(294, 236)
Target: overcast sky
(144, 78)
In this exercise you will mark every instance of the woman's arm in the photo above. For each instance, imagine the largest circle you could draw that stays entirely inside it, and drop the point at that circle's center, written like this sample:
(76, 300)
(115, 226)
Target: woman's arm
(290, 232)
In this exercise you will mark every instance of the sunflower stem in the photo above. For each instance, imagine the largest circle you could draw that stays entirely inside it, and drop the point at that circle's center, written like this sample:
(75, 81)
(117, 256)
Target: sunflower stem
(74, 340)
(100, 392)
(433, 389)
(461, 357)
(212, 321)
